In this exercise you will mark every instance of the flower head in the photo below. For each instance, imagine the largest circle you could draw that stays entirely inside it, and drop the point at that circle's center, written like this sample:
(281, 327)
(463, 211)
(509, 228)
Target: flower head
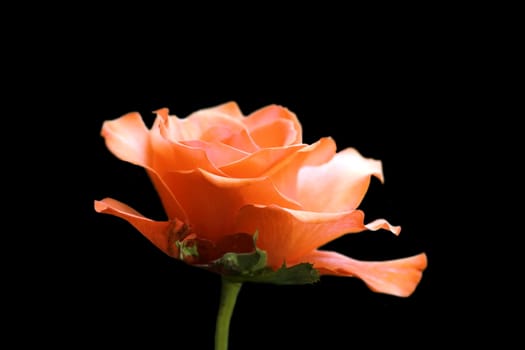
(249, 186)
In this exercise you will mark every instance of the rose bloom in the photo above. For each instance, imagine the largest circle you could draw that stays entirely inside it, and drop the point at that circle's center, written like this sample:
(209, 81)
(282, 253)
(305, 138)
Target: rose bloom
(223, 176)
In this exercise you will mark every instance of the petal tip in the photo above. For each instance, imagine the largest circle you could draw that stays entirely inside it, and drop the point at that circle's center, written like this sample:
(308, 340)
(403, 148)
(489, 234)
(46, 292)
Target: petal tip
(99, 206)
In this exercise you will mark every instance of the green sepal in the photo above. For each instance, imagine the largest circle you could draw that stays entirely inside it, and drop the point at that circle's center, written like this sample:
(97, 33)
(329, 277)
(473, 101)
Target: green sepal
(244, 264)
(251, 267)
(303, 273)
(186, 250)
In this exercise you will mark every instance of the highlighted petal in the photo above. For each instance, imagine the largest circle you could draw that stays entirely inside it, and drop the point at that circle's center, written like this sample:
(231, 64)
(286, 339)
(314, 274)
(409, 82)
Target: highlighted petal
(170, 154)
(287, 234)
(127, 138)
(284, 174)
(383, 224)
(339, 184)
(209, 124)
(203, 126)
(398, 277)
(155, 231)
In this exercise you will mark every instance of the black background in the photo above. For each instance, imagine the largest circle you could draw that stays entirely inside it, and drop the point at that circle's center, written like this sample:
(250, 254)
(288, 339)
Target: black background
(382, 112)
(391, 92)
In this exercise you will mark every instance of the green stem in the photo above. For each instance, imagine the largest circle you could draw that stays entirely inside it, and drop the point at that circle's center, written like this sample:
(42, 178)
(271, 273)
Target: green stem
(229, 292)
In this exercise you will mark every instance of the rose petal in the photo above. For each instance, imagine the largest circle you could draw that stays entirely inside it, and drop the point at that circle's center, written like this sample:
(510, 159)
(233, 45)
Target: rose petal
(211, 202)
(155, 231)
(170, 155)
(127, 138)
(398, 277)
(339, 184)
(208, 124)
(288, 234)
(274, 125)
(284, 174)
(379, 224)
(278, 133)
(230, 108)
(259, 162)
(229, 130)
(241, 141)
(219, 154)
(170, 204)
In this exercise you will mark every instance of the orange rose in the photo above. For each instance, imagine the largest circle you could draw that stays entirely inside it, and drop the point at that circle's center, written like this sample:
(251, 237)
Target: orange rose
(223, 176)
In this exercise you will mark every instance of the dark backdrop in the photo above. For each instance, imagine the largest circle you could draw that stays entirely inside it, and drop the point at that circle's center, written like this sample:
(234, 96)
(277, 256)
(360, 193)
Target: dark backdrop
(385, 112)
(391, 97)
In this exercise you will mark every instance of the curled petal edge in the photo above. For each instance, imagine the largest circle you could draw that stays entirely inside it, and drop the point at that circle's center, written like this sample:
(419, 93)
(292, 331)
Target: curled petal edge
(154, 231)
(379, 224)
(398, 277)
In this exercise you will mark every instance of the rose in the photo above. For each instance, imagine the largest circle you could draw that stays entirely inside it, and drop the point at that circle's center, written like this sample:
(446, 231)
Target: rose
(228, 181)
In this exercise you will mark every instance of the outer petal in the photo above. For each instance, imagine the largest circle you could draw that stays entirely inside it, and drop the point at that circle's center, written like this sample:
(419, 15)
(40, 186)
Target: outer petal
(212, 202)
(273, 126)
(170, 204)
(379, 224)
(287, 234)
(127, 138)
(155, 231)
(398, 277)
(338, 185)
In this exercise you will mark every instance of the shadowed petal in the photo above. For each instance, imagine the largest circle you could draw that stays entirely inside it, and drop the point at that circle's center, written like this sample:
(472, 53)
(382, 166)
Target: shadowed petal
(212, 202)
(287, 234)
(170, 204)
(398, 277)
(219, 154)
(155, 231)
(241, 141)
(339, 184)
(257, 163)
(274, 125)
